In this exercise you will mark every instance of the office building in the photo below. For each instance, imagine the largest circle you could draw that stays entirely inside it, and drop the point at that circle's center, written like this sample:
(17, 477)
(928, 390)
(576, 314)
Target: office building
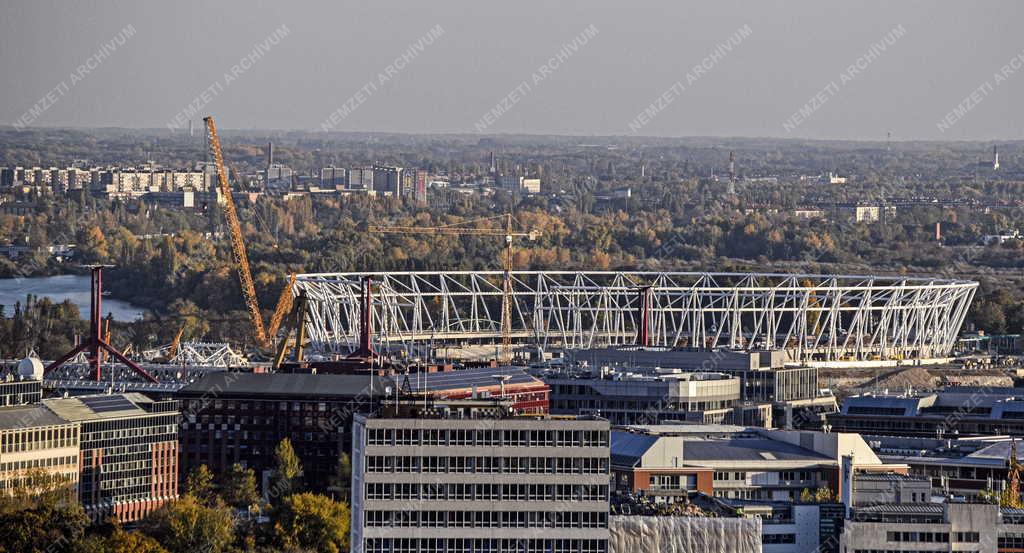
(466, 476)
(961, 467)
(232, 418)
(24, 385)
(654, 396)
(890, 487)
(128, 452)
(420, 186)
(34, 440)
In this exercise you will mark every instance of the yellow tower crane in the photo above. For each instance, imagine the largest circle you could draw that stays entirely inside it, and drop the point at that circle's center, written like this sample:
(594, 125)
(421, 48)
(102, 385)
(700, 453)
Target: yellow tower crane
(509, 235)
(264, 335)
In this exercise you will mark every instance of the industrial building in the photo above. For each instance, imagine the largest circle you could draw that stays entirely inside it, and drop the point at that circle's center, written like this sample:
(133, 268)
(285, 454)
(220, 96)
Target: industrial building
(467, 476)
(387, 181)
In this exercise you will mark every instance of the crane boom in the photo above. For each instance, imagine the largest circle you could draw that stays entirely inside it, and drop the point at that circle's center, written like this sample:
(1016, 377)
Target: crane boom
(264, 335)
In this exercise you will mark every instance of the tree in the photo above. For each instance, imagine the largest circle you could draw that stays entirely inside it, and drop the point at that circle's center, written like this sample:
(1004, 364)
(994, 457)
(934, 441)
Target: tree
(188, 526)
(342, 478)
(287, 469)
(119, 541)
(823, 495)
(199, 484)
(312, 522)
(39, 516)
(239, 487)
(806, 496)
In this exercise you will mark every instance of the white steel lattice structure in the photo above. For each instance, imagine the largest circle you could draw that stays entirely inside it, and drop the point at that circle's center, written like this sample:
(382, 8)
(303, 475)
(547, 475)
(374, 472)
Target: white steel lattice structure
(814, 317)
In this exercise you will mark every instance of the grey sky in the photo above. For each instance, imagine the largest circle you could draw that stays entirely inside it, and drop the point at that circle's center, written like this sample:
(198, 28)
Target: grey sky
(333, 49)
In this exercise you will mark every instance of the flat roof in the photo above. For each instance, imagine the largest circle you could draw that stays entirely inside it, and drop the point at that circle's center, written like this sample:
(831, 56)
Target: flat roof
(286, 384)
(747, 449)
(27, 416)
(482, 377)
(94, 407)
(902, 508)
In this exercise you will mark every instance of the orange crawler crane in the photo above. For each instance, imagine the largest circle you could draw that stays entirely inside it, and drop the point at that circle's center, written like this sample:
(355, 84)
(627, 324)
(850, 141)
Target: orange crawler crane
(264, 335)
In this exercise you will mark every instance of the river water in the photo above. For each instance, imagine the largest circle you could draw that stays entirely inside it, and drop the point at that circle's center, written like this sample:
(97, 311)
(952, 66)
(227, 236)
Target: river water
(60, 288)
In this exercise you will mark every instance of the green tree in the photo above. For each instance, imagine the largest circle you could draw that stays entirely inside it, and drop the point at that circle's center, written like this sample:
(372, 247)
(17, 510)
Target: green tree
(40, 515)
(188, 526)
(119, 541)
(199, 484)
(341, 480)
(287, 470)
(239, 487)
(806, 496)
(312, 522)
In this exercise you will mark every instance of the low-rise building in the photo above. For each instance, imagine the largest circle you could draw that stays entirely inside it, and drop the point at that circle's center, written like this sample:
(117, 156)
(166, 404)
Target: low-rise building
(654, 396)
(951, 412)
(927, 527)
(961, 467)
(527, 394)
(670, 461)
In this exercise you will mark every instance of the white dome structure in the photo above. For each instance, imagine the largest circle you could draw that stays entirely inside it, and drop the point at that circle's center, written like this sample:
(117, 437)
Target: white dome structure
(30, 368)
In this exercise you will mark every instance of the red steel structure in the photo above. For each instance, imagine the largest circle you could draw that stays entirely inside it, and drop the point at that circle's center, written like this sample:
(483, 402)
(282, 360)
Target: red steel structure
(94, 342)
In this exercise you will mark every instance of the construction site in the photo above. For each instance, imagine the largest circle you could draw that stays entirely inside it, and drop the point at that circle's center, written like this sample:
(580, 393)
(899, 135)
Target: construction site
(857, 329)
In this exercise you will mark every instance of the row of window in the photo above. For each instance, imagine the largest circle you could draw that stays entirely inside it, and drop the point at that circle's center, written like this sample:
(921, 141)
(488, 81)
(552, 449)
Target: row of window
(771, 539)
(1011, 540)
(492, 438)
(35, 439)
(899, 551)
(481, 545)
(487, 492)
(486, 519)
(27, 481)
(39, 462)
(488, 465)
(932, 537)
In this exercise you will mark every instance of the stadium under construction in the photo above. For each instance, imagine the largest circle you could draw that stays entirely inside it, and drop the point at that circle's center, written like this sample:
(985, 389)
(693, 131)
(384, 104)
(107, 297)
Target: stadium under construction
(823, 320)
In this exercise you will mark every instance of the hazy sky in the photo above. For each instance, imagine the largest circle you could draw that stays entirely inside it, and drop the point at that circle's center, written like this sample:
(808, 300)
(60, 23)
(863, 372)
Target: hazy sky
(173, 51)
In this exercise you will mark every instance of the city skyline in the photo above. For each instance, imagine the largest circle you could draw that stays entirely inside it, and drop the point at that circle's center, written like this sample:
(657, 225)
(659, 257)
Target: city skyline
(803, 70)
